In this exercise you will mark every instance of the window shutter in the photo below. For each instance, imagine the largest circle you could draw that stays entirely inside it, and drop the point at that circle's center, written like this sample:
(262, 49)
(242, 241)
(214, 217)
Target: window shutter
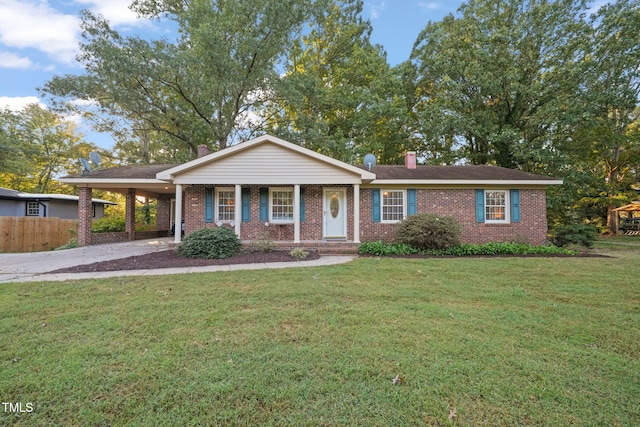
(246, 204)
(412, 202)
(375, 205)
(208, 204)
(515, 205)
(302, 207)
(479, 205)
(264, 204)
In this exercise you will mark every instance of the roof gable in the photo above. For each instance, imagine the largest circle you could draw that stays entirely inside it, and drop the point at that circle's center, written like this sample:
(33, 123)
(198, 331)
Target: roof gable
(266, 160)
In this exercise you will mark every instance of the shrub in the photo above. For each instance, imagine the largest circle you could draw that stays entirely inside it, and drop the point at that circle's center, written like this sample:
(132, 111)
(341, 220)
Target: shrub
(263, 242)
(576, 234)
(220, 242)
(299, 253)
(382, 249)
(487, 249)
(107, 224)
(71, 244)
(429, 231)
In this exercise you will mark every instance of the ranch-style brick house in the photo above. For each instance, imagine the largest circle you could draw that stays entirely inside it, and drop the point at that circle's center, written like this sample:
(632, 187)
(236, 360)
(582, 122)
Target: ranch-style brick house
(303, 198)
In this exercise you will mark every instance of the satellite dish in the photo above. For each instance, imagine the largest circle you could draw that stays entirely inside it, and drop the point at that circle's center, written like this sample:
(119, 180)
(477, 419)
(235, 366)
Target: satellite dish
(369, 161)
(85, 166)
(95, 158)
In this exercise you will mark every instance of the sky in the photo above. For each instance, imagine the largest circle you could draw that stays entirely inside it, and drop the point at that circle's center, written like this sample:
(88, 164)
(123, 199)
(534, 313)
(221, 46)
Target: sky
(40, 39)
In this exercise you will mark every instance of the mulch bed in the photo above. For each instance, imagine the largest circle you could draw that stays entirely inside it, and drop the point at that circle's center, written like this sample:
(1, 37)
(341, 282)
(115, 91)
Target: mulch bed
(171, 259)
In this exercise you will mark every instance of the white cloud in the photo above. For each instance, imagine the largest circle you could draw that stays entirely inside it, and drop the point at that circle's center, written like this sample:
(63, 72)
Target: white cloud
(11, 60)
(19, 102)
(35, 24)
(430, 5)
(376, 10)
(117, 12)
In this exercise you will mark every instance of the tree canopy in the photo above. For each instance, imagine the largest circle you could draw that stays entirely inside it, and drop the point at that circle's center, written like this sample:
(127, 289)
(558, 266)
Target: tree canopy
(546, 86)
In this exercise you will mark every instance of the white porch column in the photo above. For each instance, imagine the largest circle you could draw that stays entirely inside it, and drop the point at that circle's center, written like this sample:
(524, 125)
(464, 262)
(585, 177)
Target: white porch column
(356, 213)
(238, 209)
(178, 219)
(296, 213)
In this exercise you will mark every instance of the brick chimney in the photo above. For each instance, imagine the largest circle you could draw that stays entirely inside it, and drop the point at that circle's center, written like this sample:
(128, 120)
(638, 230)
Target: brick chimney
(410, 160)
(203, 150)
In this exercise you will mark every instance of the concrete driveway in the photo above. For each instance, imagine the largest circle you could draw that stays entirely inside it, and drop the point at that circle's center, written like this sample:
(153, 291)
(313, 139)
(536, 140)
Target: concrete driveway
(14, 266)
(32, 266)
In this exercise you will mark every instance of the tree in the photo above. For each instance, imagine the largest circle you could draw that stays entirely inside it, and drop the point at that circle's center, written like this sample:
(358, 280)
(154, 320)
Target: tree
(612, 91)
(338, 95)
(200, 88)
(44, 146)
(491, 83)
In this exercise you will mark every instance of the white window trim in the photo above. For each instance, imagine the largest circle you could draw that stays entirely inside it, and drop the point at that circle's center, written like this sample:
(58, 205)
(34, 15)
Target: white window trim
(404, 205)
(507, 207)
(280, 221)
(217, 204)
(32, 214)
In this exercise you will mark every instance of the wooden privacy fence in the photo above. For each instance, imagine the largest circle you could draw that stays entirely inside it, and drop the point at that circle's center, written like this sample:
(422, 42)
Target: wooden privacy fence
(31, 234)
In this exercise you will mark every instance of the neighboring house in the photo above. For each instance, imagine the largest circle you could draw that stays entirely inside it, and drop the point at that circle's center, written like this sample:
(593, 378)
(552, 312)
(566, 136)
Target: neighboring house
(16, 203)
(306, 198)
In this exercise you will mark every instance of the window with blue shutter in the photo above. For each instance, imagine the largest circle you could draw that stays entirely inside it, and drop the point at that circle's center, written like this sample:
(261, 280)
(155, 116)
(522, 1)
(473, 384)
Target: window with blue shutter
(302, 207)
(264, 204)
(375, 205)
(479, 205)
(412, 202)
(515, 205)
(208, 204)
(246, 204)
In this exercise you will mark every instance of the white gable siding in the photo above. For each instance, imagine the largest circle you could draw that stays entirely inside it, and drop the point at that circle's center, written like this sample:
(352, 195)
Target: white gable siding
(267, 164)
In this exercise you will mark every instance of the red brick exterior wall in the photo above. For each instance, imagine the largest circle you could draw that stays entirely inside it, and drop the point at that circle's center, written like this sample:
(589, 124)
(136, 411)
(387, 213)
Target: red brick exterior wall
(163, 213)
(310, 228)
(458, 203)
(130, 213)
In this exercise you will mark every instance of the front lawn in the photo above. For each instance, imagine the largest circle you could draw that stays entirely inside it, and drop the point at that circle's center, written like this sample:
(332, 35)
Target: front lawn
(493, 341)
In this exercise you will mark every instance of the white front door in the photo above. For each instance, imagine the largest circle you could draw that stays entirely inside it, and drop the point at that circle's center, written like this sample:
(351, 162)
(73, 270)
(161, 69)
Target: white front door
(334, 207)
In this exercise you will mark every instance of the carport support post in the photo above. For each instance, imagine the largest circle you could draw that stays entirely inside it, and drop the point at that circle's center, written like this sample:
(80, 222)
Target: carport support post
(130, 214)
(85, 215)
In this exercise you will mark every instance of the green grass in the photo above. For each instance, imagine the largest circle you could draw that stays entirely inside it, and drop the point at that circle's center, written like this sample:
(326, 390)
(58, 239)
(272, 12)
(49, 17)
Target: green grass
(505, 341)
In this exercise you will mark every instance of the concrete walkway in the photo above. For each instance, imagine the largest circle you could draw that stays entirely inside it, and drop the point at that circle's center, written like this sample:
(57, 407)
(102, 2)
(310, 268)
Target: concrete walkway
(31, 267)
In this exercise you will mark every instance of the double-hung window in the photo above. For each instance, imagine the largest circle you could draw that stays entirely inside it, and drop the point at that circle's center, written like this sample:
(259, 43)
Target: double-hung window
(496, 204)
(226, 201)
(393, 205)
(281, 206)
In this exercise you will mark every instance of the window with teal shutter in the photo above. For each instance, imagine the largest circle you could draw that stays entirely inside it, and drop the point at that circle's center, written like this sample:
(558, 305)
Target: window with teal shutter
(302, 207)
(515, 205)
(264, 204)
(479, 205)
(412, 202)
(246, 204)
(375, 205)
(208, 204)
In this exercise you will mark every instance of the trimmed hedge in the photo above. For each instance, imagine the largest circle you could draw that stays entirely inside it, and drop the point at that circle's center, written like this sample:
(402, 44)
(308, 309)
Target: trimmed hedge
(496, 248)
